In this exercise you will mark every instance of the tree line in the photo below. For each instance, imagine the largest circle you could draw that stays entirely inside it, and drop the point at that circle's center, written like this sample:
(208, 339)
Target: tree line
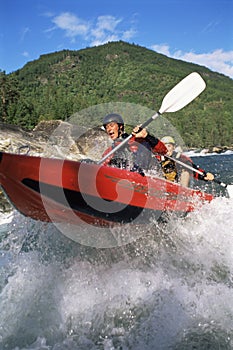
(59, 84)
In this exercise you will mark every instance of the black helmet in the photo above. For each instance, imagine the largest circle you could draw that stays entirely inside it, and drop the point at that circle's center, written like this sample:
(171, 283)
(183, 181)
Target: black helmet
(113, 117)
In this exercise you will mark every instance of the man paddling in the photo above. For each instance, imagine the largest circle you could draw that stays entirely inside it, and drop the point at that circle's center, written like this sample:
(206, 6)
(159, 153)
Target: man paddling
(175, 172)
(136, 155)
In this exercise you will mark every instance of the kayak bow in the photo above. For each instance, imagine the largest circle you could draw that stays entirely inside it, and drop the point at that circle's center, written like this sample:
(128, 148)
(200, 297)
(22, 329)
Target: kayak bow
(56, 190)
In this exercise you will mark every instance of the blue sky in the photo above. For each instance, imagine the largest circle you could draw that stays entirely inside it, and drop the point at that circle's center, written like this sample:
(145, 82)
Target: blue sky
(198, 31)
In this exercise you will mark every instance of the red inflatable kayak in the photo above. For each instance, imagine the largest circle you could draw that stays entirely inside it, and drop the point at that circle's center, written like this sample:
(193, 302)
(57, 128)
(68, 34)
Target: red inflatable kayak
(68, 191)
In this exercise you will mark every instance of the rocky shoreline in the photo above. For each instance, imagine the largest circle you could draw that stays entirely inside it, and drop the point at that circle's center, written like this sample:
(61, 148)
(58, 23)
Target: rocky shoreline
(55, 139)
(211, 150)
(74, 141)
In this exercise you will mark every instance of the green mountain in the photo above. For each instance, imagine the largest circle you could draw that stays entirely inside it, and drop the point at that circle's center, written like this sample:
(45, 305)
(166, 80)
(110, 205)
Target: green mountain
(61, 83)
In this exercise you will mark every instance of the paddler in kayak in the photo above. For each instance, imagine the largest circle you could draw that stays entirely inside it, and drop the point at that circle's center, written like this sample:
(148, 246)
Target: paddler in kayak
(136, 155)
(173, 171)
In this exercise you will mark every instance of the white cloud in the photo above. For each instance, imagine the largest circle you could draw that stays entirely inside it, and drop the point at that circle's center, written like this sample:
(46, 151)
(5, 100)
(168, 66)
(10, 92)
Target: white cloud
(108, 23)
(107, 28)
(217, 60)
(24, 33)
(71, 24)
(25, 54)
(128, 34)
(162, 48)
(103, 29)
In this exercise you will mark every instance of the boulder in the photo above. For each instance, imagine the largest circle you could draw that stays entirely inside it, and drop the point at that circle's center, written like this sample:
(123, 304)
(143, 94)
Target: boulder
(56, 139)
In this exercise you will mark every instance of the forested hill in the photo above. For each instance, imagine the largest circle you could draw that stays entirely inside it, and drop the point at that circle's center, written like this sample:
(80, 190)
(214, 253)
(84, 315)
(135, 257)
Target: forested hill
(61, 83)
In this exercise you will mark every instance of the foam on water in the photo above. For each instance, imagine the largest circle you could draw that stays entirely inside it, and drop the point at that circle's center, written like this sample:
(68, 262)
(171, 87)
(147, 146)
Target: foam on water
(170, 289)
(205, 154)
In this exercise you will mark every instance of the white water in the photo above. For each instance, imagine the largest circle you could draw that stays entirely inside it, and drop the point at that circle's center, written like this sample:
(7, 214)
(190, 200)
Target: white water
(171, 289)
(203, 153)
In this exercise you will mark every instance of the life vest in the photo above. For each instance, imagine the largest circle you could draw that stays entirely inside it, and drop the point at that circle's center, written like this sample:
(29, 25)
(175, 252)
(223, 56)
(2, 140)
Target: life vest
(169, 168)
(133, 156)
(122, 158)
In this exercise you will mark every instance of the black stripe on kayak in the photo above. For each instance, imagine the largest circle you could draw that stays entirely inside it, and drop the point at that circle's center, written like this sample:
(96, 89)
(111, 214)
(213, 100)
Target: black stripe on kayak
(75, 201)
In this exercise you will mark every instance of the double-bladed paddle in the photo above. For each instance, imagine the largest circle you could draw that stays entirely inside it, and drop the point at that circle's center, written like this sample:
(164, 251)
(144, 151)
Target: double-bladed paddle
(177, 98)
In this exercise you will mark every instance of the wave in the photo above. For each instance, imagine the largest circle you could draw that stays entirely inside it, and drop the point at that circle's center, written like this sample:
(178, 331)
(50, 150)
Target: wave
(205, 154)
(6, 218)
(172, 288)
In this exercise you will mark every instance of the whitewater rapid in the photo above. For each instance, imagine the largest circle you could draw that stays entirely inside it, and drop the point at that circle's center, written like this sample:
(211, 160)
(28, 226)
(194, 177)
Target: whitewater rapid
(171, 289)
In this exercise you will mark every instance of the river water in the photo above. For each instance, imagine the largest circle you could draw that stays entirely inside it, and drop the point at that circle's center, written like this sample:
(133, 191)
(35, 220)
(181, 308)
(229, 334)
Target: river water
(170, 289)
